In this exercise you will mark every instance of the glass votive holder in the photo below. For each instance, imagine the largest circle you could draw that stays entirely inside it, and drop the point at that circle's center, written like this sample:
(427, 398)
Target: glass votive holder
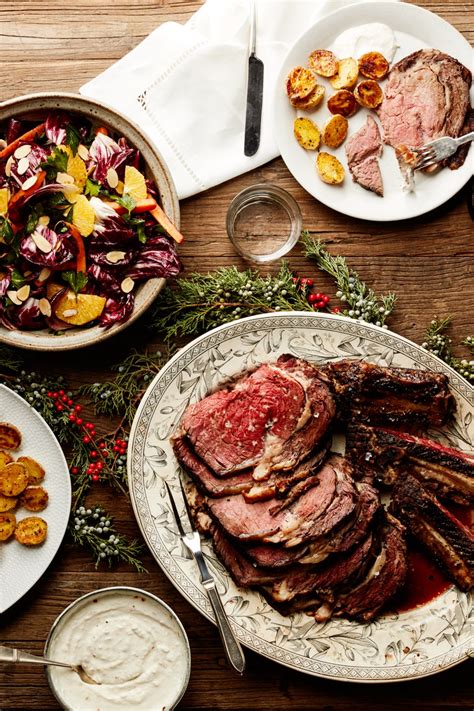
(263, 223)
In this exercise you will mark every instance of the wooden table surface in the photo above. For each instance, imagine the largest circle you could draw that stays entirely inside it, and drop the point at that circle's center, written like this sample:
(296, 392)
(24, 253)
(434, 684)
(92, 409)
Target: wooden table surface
(428, 262)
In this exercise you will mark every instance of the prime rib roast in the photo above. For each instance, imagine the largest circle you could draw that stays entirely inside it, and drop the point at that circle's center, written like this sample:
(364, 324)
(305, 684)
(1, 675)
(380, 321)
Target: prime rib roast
(387, 454)
(444, 537)
(363, 150)
(426, 96)
(286, 514)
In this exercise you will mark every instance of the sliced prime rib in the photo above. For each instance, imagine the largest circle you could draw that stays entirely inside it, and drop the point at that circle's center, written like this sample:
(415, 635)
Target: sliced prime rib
(241, 568)
(445, 538)
(270, 419)
(385, 454)
(318, 510)
(363, 151)
(426, 96)
(392, 397)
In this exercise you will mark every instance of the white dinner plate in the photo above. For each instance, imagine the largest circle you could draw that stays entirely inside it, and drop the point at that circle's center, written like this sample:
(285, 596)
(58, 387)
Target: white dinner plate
(22, 566)
(414, 28)
(395, 646)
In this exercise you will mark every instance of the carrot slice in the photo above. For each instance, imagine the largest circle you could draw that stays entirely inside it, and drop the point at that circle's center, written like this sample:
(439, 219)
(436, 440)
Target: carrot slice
(81, 250)
(163, 220)
(25, 138)
(17, 200)
(146, 205)
(103, 130)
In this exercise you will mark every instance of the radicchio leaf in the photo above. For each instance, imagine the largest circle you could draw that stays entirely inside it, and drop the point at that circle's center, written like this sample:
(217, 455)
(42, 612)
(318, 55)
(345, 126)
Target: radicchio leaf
(117, 310)
(98, 255)
(106, 153)
(158, 258)
(28, 316)
(61, 256)
(5, 279)
(49, 189)
(14, 130)
(109, 228)
(37, 155)
(107, 282)
(55, 127)
(55, 323)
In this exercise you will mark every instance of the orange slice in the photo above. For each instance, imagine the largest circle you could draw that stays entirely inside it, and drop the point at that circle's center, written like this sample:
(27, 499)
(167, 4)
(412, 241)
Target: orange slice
(134, 183)
(3, 201)
(79, 309)
(77, 169)
(83, 215)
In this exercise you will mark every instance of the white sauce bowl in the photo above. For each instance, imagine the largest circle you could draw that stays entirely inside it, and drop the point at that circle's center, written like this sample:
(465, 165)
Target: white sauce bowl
(130, 641)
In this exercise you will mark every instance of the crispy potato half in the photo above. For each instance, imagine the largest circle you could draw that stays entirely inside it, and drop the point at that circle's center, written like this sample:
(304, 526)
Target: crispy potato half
(343, 102)
(300, 83)
(5, 458)
(34, 498)
(373, 65)
(312, 101)
(330, 169)
(368, 93)
(31, 531)
(323, 62)
(10, 436)
(347, 74)
(7, 525)
(13, 479)
(307, 133)
(335, 131)
(7, 503)
(34, 470)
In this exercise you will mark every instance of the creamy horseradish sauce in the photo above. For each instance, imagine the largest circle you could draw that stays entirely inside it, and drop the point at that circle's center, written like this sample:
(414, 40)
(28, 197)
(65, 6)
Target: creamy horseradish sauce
(373, 37)
(128, 643)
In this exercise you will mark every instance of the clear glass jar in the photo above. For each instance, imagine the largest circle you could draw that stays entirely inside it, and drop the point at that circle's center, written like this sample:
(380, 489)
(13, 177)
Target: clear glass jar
(263, 223)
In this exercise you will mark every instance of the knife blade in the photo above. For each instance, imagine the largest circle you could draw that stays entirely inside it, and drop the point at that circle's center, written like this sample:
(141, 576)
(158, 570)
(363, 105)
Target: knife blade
(253, 118)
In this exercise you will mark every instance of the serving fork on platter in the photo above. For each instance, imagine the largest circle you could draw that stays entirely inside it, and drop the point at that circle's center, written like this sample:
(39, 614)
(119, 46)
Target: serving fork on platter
(192, 543)
(437, 150)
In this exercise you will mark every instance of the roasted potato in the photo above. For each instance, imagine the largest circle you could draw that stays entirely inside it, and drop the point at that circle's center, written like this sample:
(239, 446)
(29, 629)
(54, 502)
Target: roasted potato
(347, 74)
(330, 169)
(34, 498)
(7, 525)
(10, 436)
(7, 503)
(323, 62)
(5, 458)
(300, 83)
(307, 133)
(368, 93)
(312, 101)
(79, 309)
(373, 65)
(34, 470)
(13, 479)
(31, 531)
(335, 131)
(343, 102)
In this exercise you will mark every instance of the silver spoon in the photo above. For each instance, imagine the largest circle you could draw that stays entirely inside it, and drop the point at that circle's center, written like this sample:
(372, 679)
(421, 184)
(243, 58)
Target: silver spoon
(7, 654)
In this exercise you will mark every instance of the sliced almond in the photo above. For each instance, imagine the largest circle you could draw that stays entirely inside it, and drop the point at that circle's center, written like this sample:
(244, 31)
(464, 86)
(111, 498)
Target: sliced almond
(8, 166)
(44, 274)
(27, 273)
(114, 257)
(44, 220)
(45, 307)
(29, 183)
(112, 177)
(23, 151)
(41, 242)
(12, 295)
(69, 312)
(3, 144)
(64, 179)
(82, 152)
(23, 292)
(127, 285)
(23, 165)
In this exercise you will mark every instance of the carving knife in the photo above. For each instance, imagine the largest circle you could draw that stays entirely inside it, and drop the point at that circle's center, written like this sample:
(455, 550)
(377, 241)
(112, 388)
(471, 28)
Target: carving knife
(253, 117)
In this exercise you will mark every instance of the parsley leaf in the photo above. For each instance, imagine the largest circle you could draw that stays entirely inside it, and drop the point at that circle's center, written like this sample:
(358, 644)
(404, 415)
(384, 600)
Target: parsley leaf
(76, 280)
(73, 138)
(32, 221)
(17, 279)
(138, 225)
(6, 232)
(125, 201)
(56, 163)
(92, 188)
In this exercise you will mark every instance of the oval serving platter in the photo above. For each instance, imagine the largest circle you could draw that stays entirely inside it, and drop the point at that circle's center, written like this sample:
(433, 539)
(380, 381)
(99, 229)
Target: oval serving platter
(395, 646)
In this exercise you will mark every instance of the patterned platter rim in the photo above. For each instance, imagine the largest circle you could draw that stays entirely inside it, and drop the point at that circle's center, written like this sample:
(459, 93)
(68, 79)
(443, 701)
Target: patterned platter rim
(456, 608)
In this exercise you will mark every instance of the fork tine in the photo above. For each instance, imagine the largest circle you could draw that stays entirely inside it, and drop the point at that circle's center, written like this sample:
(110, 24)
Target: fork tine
(175, 510)
(425, 163)
(188, 510)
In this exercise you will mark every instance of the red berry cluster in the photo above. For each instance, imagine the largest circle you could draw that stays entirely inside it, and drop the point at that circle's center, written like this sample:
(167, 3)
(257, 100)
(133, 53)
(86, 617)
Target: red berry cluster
(98, 452)
(317, 299)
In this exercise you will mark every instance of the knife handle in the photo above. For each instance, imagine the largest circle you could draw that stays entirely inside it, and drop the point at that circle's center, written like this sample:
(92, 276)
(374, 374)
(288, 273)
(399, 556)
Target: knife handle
(232, 647)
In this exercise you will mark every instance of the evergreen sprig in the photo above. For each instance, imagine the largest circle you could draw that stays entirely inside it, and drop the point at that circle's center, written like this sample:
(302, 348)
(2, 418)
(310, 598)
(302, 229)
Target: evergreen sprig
(360, 301)
(438, 342)
(202, 301)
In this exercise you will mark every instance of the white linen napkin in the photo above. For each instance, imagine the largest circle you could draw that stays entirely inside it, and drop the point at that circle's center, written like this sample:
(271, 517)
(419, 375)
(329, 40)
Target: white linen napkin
(185, 85)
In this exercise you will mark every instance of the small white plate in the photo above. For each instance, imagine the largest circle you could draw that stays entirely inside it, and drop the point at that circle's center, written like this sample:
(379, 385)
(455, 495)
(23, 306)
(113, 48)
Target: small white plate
(414, 28)
(22, 566)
